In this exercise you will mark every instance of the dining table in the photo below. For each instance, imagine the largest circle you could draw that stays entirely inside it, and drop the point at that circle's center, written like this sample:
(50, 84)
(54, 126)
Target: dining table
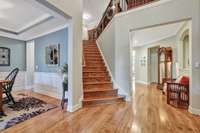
(2, 83)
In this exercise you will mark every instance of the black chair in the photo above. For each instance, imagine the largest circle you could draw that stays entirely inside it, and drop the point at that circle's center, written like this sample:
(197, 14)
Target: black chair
(7, 88)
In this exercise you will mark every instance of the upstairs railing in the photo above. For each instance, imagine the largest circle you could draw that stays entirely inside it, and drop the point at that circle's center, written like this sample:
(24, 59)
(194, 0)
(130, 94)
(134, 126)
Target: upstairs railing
(114, 7)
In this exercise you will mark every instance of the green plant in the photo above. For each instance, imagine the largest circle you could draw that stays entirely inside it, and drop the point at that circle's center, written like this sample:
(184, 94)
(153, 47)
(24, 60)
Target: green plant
(64, 71)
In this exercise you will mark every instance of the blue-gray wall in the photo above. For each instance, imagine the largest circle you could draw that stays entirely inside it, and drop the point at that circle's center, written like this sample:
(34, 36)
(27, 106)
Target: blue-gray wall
(59, 37)
(17, 54)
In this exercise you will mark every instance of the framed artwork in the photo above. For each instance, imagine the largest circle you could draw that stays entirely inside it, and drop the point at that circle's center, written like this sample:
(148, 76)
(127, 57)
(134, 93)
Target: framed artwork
(4, 56)
(52, 55)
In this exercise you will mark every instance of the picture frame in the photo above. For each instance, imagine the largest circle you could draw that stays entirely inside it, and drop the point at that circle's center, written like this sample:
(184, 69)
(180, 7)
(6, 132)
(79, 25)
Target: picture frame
(4, 56)
(52, 55)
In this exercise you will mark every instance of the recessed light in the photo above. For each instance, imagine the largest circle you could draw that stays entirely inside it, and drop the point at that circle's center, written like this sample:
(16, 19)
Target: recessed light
(86, 16)
(5, 5)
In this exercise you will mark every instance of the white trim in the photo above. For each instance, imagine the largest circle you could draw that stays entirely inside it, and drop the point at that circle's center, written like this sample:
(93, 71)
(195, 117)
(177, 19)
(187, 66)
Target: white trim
(194, 111)
(141, 82)
(74, 108)
(128, 98)
(48, 84)
(34, 22)
(49, 32)
(154, 41)
(48, 93)
(29, 87)
(150, 5)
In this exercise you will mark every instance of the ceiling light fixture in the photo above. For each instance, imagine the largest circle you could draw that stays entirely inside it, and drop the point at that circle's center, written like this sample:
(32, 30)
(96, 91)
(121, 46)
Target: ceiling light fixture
(86, 16)
(5, 5)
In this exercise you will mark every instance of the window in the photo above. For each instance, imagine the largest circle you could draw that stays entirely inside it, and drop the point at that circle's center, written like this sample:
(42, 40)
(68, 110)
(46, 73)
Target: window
(186, 60)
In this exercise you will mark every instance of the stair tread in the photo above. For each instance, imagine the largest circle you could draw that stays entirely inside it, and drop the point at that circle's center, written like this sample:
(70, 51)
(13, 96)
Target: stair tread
(95, 76)
(98, 86)
(103, 98)
(94, 66)
(100, 77)
(95, 71)
(98, 90)
(100, 82)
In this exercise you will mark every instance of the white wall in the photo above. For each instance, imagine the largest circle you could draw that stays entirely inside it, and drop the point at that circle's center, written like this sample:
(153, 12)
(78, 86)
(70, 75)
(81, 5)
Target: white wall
(142, 71)
(161, 12)
(186, 27)
(74, 10)
(85, 33)
(107, 47)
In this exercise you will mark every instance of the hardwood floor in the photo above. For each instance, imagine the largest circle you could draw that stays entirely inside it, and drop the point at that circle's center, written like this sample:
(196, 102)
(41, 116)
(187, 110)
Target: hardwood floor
(148, 113)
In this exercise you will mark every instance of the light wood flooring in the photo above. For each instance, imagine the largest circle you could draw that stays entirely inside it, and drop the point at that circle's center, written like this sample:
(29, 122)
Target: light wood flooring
(148, 113)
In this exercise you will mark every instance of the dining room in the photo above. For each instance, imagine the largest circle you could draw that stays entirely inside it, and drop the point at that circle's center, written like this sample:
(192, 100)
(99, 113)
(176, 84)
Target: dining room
(33, 60)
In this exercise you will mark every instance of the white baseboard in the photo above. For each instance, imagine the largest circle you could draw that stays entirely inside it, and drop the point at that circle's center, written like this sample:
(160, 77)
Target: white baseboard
(128, 98)
(141, 82)
(74, 108)
(194, 111)
(29, 87)
(48, 93)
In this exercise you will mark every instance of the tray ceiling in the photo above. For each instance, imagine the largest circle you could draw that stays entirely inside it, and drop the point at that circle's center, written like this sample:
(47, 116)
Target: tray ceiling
(22, 18)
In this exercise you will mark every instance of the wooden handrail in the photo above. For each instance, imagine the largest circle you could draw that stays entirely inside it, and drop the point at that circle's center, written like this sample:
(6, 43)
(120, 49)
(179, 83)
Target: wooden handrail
(110, 13)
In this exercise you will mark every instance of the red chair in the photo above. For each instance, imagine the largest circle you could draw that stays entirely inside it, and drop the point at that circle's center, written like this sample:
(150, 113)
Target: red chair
(178, 93)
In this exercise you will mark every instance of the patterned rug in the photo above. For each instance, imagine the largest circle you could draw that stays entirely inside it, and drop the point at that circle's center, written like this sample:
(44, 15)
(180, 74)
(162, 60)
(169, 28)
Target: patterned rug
(24, 109)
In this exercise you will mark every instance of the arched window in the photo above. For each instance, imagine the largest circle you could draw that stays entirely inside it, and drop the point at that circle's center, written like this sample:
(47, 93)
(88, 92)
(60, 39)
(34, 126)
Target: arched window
(186, 58)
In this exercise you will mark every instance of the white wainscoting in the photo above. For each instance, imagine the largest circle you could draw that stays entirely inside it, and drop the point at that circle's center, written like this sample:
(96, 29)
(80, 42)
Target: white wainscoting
(20, 81)
(48, 84)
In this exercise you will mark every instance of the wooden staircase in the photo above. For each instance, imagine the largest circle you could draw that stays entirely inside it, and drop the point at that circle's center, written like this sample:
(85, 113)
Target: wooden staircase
(97, 84)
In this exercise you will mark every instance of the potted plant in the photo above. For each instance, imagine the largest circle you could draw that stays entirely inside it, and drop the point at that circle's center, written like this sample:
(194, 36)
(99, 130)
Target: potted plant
(64, 71)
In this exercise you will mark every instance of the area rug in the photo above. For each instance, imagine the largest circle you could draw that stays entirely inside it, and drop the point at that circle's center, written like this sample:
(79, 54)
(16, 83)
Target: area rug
(25, 108)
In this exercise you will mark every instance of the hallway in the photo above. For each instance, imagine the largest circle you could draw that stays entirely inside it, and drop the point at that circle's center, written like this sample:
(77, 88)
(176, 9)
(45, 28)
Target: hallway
(149, 113)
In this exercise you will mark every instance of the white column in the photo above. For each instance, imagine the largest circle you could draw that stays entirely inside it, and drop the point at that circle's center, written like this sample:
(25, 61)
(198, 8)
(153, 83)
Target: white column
(30, 63)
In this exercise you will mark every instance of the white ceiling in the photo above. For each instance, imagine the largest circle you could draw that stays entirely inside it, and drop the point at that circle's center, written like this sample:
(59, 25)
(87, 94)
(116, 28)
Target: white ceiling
(154, 34)
(94, 9)
(27, 19)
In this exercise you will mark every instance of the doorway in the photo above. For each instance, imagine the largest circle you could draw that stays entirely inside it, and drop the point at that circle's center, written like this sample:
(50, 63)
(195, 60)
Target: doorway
(153, 64)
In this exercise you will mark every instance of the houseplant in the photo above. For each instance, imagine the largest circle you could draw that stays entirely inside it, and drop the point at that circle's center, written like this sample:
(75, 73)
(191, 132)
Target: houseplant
(64, 71)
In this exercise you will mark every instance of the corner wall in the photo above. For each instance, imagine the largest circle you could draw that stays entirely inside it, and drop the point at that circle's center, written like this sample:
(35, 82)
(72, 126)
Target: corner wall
(73, 10)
